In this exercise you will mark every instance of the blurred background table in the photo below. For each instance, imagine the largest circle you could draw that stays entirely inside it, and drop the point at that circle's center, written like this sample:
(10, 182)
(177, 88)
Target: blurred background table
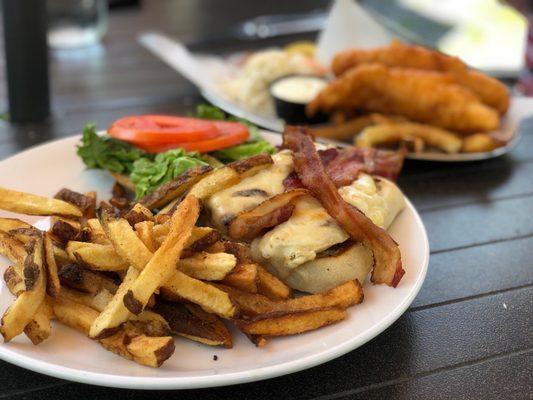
(468, 335)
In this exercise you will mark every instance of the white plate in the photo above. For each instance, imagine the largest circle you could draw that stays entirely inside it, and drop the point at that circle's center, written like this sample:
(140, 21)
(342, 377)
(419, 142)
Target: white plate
(69, 355)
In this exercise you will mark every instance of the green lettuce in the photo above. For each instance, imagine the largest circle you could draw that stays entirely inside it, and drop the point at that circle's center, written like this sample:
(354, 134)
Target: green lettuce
(147, 175)
(253, 146)
(107, 153)
(244, 150)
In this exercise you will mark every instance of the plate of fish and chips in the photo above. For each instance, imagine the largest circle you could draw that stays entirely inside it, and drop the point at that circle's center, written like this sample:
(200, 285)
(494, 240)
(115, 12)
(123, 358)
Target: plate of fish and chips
(377, 91)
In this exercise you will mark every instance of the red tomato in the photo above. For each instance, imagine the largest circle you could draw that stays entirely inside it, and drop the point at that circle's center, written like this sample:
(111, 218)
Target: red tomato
(231, 133)
(162, 129)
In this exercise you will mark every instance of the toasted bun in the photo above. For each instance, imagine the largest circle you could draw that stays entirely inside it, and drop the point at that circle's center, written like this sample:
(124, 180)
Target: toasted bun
(324, 273)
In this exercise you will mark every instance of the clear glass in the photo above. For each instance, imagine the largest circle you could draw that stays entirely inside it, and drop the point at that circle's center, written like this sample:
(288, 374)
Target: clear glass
(76, 23)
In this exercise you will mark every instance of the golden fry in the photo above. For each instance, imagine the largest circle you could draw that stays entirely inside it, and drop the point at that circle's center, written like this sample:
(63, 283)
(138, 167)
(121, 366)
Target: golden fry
(99, 257)
(163, 263)
(53, 285)
(21, 312)
(39, 328)
(292, 324)
(391, 133)
(115, 313)
(479, 143)
(208, 266)
(124, 239)
(210, 298)
(31, 204)
(270, 286)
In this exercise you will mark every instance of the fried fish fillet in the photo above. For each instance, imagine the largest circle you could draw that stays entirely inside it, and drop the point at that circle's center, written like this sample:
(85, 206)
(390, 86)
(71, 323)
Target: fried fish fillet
(491, 91)
(422, 96)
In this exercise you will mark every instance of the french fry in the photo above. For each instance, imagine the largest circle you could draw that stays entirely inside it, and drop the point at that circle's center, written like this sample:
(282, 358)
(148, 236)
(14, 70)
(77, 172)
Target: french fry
(124, 239)
(31, 204)
(21, 312)
(144, 231)
(292, 324)
(345, 130)
(138, 213)
(77, 277)
(243, 277)
(53, 285)
(226, 176)
(71, 313)
(256, 305)
(97, 301)
(271, 212)
(85, 203)
(97, 234)
(65, 230)
(163, 263)
(210, 298)
(14, 281)
(124, 181)
(208, 266)
(175, 188)
(115, 313)
(192, 322)
(151, 351)
(270, 286)
(12, 248)
(99, 257)
(394, 132)
(150, 323)
(478, 143)
(8, 224)
(39, 328)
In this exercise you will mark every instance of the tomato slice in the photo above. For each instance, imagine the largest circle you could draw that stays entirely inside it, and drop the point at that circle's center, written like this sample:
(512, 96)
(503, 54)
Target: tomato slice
(162, 129)
(231, 134)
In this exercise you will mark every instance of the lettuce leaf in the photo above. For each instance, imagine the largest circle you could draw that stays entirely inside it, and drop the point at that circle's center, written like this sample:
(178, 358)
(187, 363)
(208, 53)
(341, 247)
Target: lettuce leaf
(253, 146)
(107, 153)
(244, 150)
(147, 175)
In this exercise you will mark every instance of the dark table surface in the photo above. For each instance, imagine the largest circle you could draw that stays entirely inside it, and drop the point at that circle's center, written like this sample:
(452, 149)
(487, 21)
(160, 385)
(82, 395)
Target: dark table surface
(468, 334)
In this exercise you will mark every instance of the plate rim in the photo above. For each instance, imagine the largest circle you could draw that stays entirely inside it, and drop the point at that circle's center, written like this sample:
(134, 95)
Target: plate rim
(179, 382)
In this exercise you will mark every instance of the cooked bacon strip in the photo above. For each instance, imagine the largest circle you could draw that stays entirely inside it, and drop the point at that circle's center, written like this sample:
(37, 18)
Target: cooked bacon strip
(387, 258)
(344, 165)
(350, 161)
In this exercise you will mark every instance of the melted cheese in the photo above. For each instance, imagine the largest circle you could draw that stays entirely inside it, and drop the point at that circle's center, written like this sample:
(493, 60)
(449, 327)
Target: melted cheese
(379, 199)
(251, 191)
(309, 231)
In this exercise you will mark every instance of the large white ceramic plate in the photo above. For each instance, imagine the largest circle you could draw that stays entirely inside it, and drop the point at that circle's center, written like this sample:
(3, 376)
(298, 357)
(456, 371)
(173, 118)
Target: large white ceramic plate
(69, 355)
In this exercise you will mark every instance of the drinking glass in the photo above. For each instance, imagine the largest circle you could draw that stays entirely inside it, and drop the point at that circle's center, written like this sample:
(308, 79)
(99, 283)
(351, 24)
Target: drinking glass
(76, 23)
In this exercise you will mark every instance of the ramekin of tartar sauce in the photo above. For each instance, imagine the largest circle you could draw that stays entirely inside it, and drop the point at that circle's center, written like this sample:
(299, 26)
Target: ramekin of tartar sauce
(291, 94)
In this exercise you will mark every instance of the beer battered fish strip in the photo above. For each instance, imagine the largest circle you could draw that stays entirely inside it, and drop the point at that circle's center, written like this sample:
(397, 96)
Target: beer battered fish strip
(422, 96)
(490, 91)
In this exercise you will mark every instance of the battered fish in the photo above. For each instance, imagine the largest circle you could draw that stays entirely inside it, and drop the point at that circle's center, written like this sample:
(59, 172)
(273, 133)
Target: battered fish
(491, 91)
(422, 96)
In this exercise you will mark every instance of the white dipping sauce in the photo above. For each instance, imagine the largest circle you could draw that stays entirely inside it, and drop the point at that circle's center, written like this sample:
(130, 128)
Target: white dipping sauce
(297, 89)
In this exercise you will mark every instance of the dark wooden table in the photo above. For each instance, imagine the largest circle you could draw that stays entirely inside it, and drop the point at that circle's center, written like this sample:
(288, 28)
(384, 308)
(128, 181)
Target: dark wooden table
(468, 334)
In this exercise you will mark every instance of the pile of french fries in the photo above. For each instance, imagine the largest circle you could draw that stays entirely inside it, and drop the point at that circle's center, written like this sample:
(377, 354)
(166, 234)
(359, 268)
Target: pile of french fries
(131, 277)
